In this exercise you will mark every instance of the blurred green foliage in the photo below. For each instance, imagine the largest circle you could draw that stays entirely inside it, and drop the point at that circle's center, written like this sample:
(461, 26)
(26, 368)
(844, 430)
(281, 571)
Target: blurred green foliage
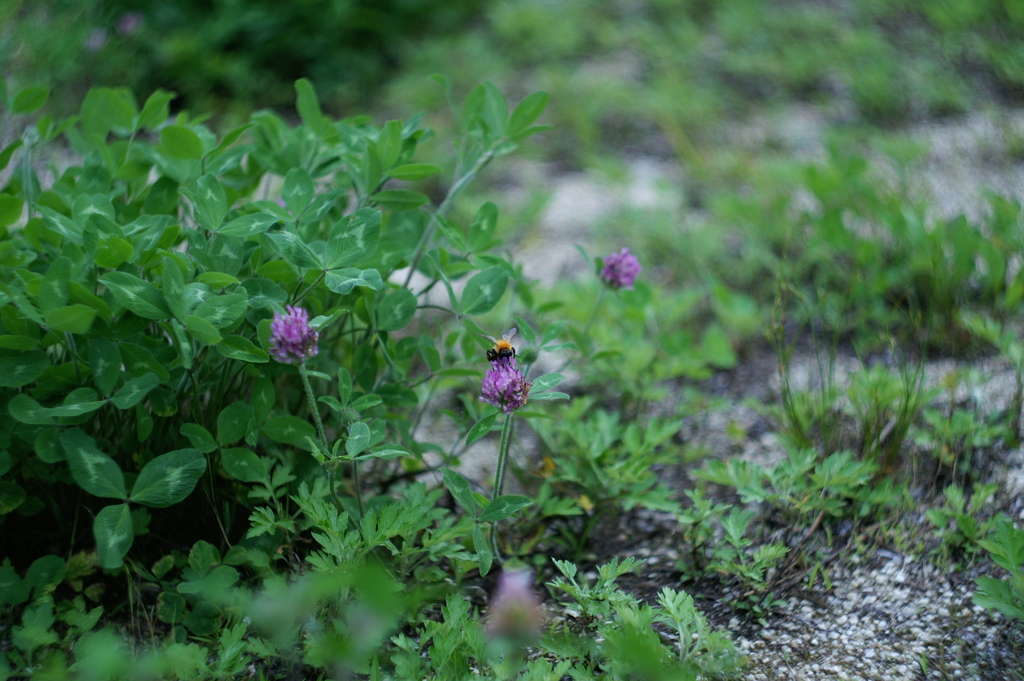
(224, 54)
(677, 67)
(627, 72)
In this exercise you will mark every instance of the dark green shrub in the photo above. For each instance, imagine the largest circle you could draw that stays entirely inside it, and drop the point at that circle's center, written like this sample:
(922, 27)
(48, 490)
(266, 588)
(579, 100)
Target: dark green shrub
(223, 53)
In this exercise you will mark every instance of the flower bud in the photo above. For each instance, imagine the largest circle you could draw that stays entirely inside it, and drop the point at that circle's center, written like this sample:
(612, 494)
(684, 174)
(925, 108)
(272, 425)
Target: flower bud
(528, 355)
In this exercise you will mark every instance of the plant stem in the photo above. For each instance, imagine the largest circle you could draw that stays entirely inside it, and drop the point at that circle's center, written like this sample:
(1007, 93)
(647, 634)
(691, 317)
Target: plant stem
(356, 488)
(334, 486)
(499, 479)
(442, 210)
(1016, 405)
(593, 314)
(586, 329)
(586, 533)
(73, 349)
(311, 287)
(313, 407)
(28, 142)
(323, 443)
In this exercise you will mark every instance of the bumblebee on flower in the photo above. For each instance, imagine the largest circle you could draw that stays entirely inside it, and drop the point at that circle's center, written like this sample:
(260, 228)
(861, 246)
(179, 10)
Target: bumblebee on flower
(504, 386)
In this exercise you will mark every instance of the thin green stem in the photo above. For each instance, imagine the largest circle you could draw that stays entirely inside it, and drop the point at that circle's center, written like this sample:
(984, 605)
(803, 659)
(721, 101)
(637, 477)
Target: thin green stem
(437, 307)
(356, 489)
(312, 406)
(459, 185)
(334, 486)
(587, 529)
(499, 478)
(424, 402)
(387, 358)
(26, 174)
(593, 314)
(311, 287)
(586, 328)
(323, 443)
(197, 411)
(69, 339)
(426, 289)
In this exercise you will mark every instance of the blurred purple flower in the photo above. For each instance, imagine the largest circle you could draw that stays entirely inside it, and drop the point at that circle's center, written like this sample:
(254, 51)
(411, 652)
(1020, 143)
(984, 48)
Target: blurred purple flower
(291, 338)
(96, 40)
(130, 23)
(515, 611)
(504, 386)
(621, 269)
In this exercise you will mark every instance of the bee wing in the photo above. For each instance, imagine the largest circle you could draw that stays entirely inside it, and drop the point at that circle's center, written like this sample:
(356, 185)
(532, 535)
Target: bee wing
(490, 338)
(511, 334)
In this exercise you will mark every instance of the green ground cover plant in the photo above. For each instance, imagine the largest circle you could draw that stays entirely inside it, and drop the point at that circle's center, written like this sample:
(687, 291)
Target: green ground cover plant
(1005, 544)
(239, 354)
(806, 495)
(216, 344)
(630, 646)
(991, 331)
(958, 524)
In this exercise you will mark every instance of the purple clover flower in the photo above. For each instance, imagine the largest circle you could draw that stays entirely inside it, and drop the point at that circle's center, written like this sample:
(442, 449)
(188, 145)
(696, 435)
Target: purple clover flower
(504, 386)
(292, 340)
(515, 611)
(621, 269)
(96, 40)
(130, 23)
